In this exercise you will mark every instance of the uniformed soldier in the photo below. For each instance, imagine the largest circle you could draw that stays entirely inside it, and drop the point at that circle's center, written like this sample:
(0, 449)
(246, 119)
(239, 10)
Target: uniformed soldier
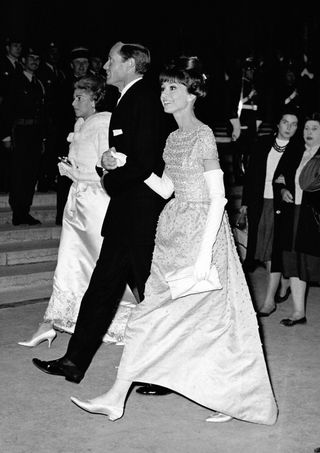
(10, 63)
(246, 114)
(25, 124)
(53, 78)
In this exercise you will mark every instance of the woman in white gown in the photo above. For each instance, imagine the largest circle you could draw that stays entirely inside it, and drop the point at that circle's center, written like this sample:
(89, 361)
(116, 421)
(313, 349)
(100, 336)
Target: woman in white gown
(81, 239)
(205, 345)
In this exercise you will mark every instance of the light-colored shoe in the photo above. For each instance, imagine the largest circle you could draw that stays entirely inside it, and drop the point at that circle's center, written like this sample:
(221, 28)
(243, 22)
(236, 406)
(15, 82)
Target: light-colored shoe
(217, 417)
(108, 339)
(113, 413)
(49, 336)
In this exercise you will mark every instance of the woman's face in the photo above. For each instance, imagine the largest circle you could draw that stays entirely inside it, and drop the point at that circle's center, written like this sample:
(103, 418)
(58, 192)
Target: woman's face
(175, 97)
(311, 133)
(287, 127)
(83, 104)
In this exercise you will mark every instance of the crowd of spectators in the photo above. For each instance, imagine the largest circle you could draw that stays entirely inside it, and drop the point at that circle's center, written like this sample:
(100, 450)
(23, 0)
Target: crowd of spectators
(244, 93)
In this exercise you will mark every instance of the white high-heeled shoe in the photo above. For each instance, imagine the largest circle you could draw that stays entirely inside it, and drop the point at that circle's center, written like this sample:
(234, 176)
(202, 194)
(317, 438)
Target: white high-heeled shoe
(50, 335)
(113, 413)
(217, 417)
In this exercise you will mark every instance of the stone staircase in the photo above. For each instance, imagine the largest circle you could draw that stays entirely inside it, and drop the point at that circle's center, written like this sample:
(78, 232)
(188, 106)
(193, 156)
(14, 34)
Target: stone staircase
(28, 254)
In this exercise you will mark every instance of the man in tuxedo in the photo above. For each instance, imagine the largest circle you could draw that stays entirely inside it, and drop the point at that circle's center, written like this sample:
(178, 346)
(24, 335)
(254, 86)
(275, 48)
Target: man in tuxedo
(136, 130)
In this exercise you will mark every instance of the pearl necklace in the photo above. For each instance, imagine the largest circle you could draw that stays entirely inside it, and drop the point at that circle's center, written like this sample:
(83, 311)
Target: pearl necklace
(279, 148)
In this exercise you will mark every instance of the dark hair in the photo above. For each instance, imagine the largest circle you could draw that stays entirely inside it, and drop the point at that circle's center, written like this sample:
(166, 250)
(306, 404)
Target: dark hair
(289, 111)
(94, 85)
(188, 71)
(139, 53)
(315, 116)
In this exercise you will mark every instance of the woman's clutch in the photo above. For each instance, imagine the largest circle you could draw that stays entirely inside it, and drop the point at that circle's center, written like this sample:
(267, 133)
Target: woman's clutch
(182, 282)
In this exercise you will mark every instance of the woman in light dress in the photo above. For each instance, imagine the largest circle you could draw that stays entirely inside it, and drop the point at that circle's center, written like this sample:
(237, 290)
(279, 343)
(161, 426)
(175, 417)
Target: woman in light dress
(81, 239)
(204, 346)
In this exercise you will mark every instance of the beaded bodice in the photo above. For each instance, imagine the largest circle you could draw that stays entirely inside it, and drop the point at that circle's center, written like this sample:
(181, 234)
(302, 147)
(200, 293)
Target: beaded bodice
(183, 155)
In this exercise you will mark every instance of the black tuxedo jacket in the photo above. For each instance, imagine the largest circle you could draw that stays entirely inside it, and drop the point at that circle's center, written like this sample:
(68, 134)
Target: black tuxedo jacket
(137, 129)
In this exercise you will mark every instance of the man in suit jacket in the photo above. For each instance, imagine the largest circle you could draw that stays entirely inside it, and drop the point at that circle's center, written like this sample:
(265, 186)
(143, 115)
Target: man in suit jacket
(136, 130)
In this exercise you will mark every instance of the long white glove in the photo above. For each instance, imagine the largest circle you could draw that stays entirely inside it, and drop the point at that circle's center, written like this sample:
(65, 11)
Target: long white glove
(162, 186)
(214, 180)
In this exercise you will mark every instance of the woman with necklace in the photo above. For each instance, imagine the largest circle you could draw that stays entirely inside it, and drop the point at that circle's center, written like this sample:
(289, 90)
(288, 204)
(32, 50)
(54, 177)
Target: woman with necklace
(257, 203)
(204, 345)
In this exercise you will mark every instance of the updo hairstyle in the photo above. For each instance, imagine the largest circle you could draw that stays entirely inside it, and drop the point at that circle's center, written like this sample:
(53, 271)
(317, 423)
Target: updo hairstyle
(187, 71)
(93, 85)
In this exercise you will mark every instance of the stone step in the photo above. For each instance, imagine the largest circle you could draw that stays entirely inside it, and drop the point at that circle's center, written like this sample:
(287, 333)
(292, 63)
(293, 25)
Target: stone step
(10, 234)
(26, 276)
(45, 214)
(14, 297)
(39, 199)
(28, 252)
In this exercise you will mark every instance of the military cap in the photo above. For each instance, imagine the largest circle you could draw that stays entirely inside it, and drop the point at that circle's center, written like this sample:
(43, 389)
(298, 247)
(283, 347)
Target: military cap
(79, 52)
(32, 50)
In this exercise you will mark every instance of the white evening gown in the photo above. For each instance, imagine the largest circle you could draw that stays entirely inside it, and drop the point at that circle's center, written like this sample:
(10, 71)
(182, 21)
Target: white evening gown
(204, 346)
(81, 239)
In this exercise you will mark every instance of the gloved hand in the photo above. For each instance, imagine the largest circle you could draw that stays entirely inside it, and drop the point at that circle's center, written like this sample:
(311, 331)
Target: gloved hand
(162, 186)
(214, 180)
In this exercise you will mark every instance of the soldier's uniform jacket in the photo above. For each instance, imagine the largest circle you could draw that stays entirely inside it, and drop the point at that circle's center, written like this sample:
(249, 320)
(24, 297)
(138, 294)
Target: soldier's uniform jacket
(24, 104)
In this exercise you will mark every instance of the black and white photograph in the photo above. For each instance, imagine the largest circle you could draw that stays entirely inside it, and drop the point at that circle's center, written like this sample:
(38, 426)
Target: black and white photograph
(159, 227)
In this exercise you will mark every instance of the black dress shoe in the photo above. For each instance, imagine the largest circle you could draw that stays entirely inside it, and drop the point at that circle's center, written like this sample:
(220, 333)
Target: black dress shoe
(262, 314)
(292, 322)
(25, 220)
(60, 367)
(279, 299)
(155, 390)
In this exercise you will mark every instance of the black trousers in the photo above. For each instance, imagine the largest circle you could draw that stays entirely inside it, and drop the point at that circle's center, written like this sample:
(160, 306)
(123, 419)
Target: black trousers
(27, 149)
(116, 265)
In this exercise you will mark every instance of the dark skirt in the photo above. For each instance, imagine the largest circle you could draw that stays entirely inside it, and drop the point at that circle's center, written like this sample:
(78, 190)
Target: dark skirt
(265, 232)
(298, 264)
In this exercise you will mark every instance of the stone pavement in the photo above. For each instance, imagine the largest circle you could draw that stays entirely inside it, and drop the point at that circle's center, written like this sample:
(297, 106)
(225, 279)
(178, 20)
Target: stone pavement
(37, 416)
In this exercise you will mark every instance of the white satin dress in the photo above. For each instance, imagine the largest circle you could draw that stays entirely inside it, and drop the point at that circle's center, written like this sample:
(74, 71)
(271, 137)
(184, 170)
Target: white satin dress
(81, 239)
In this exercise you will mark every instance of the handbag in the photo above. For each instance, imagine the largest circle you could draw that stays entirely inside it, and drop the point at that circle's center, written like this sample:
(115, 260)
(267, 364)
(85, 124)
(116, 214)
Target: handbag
(182, 282)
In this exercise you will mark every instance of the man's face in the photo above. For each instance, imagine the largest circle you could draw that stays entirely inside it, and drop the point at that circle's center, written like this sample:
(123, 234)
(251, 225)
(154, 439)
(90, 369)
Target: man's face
(14, 49)
(53, 55)
(80, 67)
(116, 68)
(32, 62)
(96, 63)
